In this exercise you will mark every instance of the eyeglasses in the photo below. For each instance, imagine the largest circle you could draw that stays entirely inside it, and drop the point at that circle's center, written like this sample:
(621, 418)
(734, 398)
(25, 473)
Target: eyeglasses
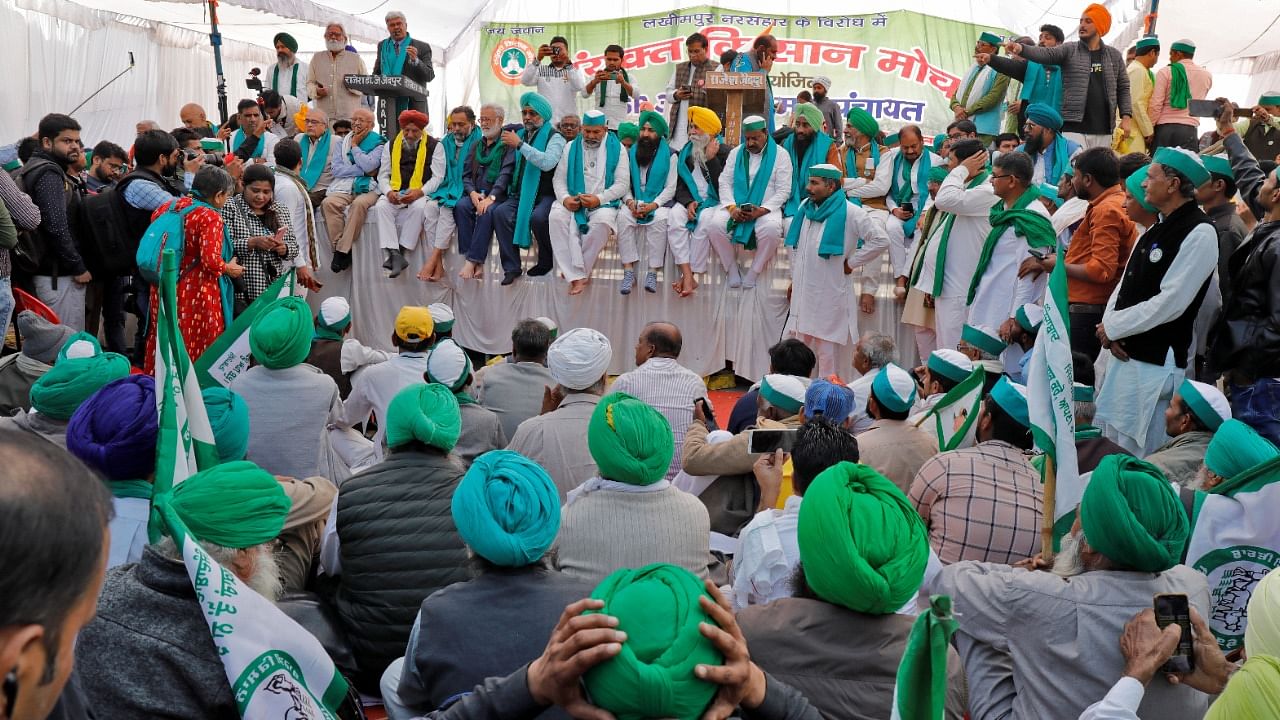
(998, 177)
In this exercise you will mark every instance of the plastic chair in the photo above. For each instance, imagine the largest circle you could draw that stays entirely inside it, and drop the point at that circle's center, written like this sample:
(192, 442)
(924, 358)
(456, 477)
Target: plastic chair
(23, 300)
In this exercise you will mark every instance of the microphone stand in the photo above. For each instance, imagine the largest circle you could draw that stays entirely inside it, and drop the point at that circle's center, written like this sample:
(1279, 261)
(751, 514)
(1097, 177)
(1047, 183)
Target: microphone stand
(215, 39)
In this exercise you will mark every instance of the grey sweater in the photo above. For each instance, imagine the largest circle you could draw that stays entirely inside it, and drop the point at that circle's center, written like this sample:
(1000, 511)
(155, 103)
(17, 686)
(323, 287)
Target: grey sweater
(604, 530)
(1074, 59)
(289, 412)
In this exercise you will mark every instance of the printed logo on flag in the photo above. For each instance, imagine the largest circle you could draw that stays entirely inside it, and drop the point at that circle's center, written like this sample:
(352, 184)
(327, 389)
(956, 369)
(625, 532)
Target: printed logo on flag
(1232, 574)
(509, 59)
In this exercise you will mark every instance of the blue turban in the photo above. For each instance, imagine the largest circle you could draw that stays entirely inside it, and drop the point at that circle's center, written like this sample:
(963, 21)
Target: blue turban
(833, 400)
(1044, 116)
(114, 431)
(507, 509)
(229, 418)
(538, 103)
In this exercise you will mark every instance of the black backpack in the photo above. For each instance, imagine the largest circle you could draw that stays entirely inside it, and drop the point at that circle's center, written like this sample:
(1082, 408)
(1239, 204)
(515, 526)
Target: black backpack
(29, 253)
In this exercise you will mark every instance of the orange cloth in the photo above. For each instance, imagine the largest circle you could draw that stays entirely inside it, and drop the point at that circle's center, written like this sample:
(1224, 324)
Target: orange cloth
(1100, 17)
(1101, 243)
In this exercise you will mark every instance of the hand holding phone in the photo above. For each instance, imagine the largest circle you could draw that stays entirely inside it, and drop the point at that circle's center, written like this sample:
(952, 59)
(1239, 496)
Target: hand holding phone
(763, 440)
(1170, 609)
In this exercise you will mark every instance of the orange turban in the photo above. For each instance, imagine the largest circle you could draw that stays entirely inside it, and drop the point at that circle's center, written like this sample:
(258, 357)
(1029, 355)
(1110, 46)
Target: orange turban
(1100, 17)
(413, 117)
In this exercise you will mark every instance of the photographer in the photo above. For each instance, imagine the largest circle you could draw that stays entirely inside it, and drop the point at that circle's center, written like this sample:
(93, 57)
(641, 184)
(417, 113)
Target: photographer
(251, 141)
(559, 81)
(611, 89)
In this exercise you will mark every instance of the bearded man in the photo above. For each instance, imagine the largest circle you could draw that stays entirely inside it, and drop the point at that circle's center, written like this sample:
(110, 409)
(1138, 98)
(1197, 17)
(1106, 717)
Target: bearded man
(653, 185)
(589, 181)
(698, 168)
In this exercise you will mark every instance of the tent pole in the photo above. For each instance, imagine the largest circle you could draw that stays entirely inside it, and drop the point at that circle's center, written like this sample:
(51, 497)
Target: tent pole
(1153, 12)
(215, 39)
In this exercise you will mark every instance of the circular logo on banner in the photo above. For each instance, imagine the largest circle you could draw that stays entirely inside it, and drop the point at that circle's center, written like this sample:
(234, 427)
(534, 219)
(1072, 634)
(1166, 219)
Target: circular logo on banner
(509, 59)
(1232, 574)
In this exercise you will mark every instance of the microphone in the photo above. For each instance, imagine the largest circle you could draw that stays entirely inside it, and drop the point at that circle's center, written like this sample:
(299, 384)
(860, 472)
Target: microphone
(255, 72)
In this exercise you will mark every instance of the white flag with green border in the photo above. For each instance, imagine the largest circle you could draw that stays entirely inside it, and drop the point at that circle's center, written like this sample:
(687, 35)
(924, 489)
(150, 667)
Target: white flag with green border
(228, 355)
(955, 416)
(1051, 400)
(1235, 541)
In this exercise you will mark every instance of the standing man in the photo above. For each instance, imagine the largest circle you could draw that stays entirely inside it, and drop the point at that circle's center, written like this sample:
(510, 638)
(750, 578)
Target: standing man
(830, 238)
(325, 73)
(610, 89)
(981, 93)
(756, 183)
(558, 81)
(687, 87)
(289, 74)
(1141, 85)
(807, 146)
(590, 179)
(400, 54)
(1149, 319)
(830, 110)
(1095, 85)
(109, 163)
(532, 193)
(60, 277)
(412, 168)
(318, 145)
(1039, 83)
(291, 192)
(1176, 84)
(484, 186)
(653, 185)
(251, 142)
(438, 222)
(354, 190)
(1047, 146)
(699, 165)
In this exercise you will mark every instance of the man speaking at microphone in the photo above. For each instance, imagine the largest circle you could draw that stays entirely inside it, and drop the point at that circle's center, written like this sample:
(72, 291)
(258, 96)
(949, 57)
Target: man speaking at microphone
(401, 55)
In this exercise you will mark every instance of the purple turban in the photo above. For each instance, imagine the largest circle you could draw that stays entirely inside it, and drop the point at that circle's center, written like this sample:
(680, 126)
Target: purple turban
(114, 431)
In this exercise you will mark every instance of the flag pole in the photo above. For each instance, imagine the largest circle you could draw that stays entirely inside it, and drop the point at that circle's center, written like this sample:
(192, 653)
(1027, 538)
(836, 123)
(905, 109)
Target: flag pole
(1050, 503)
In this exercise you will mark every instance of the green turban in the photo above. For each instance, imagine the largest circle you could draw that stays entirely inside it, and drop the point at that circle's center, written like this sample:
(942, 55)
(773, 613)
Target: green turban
(1234, 448)
(280, 336)
(937, 174)
(811, 115)
(862, 543)
(1131, 514)
(426, 412)
(655, 121)
(628, 130)
(864, 122)
(80, 370)
(629, 440)
(229, 418)
(1253, 693)
(507, 509)
(234, 505)
(287, 40)
(657, 607)
(538, 104)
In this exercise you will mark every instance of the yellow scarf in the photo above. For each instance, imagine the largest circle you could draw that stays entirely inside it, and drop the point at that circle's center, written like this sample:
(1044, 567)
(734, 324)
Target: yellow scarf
(419, 163)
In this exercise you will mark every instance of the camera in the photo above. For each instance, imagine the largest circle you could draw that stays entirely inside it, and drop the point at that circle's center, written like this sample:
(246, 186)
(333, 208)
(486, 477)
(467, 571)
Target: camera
(254, 82)
(209, 158)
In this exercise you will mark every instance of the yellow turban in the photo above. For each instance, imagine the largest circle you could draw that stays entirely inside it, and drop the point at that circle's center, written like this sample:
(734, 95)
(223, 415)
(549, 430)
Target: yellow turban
(706, 120)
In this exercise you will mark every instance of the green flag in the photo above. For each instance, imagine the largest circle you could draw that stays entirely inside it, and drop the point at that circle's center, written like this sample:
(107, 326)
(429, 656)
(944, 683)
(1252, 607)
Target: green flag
(228, 356)
(921, 690)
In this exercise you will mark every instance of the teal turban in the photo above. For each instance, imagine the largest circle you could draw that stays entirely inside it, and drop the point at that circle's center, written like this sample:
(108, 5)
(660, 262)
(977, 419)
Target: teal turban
(811, 115)
(280, 336)
(655, 121)
(1131, 514)
(234, 505)
(537, 103)
(629, 440)
(424, 412)
(864, 122)
(1133, 184)
(1045, 116)
(229, 418)
(1235, 448)
(862, 543)
(507, 509)
(657, 607)
(81, 369)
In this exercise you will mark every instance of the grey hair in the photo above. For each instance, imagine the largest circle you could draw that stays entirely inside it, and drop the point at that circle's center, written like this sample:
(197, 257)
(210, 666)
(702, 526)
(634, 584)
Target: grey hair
(497, 109)
(266, 580)
(879, 349)
(392, 15)
(211, 180)
(1085, 412)
(337, 24)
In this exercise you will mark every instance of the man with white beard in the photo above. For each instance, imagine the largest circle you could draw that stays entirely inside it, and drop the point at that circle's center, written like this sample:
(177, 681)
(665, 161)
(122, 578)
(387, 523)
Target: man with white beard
(148, 613)
(1122, 550)
(484, 185)
(698, 168)
(590, 180)
(437, 220)
(653, 185)
(326, 71)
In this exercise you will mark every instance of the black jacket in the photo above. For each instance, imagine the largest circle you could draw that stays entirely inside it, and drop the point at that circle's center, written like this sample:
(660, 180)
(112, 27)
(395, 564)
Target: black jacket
(398, 544)
(419, 70)
(715, 166)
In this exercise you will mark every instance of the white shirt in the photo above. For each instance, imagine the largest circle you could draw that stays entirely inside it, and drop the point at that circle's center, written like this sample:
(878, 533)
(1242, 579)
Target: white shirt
(972, 208)
(1120, 703)
(614, 109)
(439, 167)
(299, 205)
(670, 388)
(823, 301)
(1071, 212)
(668, 190)
(776, 193)
(594, 165)
(128, 530)
(861, 391)
(373, 387)
(560, 86)
(286, 79)
(922, 408)
(1037, 175)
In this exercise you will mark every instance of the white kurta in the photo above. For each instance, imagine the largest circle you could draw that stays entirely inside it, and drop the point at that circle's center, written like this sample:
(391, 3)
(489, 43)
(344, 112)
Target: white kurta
(574, 252)
(972, 208)
(1001, 291)
(823, 302)
(655, 231)
(880, 185)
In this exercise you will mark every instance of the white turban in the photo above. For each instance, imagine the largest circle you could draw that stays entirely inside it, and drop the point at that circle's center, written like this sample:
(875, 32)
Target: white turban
(579, 358)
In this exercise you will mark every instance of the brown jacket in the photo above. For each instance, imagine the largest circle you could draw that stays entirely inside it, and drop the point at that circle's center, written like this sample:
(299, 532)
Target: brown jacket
(1102, 244)
(897, 449)
(732, 497)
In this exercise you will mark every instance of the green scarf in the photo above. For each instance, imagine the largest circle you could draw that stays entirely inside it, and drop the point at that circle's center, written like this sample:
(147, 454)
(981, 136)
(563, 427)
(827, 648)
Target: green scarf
(622, 91)
(1087, 432)
(238, 139)
(1179, 90)
(313, 168)
(712, 198)
(922, 674)
(1031, 226)
(1131, 514)
(526, 177)
(364, 183)
(832, 213)
(464, 398)
(140, 489)
(816, 154)
(293, 84)
(657, 180)
(393, 64)
(575, 176)
(940, 268)
(750, 191)
(490, 161)
(451, 189)
(901, 189)
(324, 333)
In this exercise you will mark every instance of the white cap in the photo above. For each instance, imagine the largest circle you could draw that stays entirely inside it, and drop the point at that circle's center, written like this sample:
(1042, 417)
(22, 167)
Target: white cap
(441, 316)
(783, 391)
(80, 349)
(579, 358)
(448, 364)
(334, 310)
(894, 389)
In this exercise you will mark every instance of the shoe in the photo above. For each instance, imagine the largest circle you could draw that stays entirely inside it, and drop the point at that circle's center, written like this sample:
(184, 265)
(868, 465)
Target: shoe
(510, 277)
(651, 282)
(628, 281)
(749, 281)
(398, 264)
(538, 271)
(341, 261)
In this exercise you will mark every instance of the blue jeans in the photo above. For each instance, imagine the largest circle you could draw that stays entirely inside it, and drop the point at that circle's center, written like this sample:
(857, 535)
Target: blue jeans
(504, 222)
(474, 231)
(6, 306)
(1258, 406)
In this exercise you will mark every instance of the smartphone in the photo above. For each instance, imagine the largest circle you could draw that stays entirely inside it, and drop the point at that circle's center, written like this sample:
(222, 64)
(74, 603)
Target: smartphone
(1173, 608)
(908, 207)
(747, 207)
(709, 413)
(1037, 253)
(1203, 108)
(767, 441)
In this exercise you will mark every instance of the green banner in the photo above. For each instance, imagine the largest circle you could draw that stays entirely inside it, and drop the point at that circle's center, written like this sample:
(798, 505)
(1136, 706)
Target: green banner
(900, 66)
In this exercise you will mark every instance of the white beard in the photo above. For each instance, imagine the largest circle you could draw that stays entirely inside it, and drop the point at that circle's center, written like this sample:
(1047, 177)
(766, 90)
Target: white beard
(1068, 562)
(493, 133)
(699, 151)
(334, 46)
(266, 577)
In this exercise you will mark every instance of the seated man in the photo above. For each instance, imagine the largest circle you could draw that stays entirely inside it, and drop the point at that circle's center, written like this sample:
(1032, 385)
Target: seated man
(333, 351)
(148, 613)
(538, 148)
(1195, 413)
(894, 447)
(1020, 332)
(944, 369)
(373, 387)
(354, 166)
(484, 184)
(863, 554)
(317, 142)
(1019, 628)
(397, 544)
(508, 512)
(515, 389)
(984, 503)
(448, 365)
(984, 347)
(41, 341)
(653, 185)
(438, 221)
(630, 515)
(590, 179)
(871, 354)
(698, 168)
(79, 371)
(557, 439)
(413, 167)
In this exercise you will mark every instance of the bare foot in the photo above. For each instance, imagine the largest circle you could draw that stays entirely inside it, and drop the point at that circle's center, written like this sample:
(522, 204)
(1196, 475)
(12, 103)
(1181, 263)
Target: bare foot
(468, 271)
(428, 273)
(577, 286)
(686, 286)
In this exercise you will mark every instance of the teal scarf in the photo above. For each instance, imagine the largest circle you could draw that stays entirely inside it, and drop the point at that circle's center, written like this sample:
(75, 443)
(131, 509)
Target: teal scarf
(491, 162)
(901, 189)
(1087, 432)
(622, 91)
(526, 178)
(815, 155)
(1179, 90)
(1057, 159)
(832, 213)
(851, 165)
(940, 267)
(393, 64)
(364, 183)
(751, 191)
(238, 139)
(657, 180)
(463, 398)
(712, 198)
(293, 85)
(451, 189)
(575, 177)
(313, 168)
(140, 489)
(1031, 226)
(1042, 84)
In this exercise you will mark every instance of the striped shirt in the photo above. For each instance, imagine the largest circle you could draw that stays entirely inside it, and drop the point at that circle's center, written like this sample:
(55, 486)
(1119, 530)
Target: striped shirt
(670, 388)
